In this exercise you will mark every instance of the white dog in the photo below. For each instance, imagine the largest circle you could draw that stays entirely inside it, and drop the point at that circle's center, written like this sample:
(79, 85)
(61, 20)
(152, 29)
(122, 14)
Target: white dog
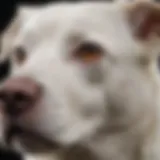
(87, 78)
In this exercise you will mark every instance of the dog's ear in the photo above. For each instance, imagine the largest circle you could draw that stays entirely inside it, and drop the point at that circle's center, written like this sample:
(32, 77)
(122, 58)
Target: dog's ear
(144, 18)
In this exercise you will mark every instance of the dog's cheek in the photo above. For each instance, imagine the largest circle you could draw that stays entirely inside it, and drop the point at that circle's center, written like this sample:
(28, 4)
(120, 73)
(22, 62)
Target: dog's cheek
(94, 74)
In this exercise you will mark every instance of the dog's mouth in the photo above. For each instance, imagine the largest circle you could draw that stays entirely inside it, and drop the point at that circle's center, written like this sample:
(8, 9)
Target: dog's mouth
(34, 143)
(29, 140)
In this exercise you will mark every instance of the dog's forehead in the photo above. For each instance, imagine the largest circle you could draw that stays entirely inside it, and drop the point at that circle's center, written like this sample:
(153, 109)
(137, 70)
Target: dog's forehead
(64, 15)
(104, 22)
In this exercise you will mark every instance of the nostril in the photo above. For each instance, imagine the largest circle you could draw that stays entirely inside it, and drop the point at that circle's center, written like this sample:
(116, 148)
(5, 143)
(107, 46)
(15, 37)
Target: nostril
(22, 101)
(16, 103)
(19, 102)
(21, 97)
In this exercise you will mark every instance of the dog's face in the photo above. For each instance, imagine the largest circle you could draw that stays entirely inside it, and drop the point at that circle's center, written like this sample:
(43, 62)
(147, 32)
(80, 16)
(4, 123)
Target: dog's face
(95, 65)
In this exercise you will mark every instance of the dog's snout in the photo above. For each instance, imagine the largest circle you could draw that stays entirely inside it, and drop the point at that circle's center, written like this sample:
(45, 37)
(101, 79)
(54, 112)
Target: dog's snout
(18, 95)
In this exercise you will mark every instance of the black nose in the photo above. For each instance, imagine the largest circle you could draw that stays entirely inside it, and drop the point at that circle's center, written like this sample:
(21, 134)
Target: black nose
(19, 95)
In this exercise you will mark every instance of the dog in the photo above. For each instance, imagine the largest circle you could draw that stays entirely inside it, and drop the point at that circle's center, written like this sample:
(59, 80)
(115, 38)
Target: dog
(88, 79)
(23, 14)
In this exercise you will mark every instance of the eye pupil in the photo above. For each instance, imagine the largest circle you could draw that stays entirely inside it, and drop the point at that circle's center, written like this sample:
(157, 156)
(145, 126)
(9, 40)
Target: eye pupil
(88, 52)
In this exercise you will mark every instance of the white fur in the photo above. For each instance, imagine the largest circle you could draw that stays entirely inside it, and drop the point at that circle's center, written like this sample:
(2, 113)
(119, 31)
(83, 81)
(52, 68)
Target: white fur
(73, 110)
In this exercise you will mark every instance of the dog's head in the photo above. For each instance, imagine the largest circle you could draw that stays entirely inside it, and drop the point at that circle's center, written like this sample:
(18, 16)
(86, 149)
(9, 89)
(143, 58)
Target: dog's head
(85, 67)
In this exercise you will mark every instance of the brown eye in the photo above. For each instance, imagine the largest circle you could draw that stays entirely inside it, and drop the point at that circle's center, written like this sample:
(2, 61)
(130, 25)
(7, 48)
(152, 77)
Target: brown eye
(88, 53)
(20, 55)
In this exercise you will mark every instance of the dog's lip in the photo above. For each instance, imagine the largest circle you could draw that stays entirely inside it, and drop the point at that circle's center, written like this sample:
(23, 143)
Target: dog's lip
(30, 140)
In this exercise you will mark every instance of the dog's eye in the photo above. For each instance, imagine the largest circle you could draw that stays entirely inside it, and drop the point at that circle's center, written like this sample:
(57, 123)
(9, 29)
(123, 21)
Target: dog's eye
(20, 55)
(88, 53)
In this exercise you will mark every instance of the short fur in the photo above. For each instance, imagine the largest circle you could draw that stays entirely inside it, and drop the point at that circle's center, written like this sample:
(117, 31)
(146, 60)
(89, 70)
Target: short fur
(116, 117)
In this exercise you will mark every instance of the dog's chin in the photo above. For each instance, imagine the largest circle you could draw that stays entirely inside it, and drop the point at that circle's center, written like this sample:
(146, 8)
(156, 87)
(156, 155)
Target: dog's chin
(30, 141)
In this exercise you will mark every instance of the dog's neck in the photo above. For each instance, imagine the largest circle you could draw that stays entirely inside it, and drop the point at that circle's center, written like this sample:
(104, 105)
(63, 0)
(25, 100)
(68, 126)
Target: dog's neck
(127, 143)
